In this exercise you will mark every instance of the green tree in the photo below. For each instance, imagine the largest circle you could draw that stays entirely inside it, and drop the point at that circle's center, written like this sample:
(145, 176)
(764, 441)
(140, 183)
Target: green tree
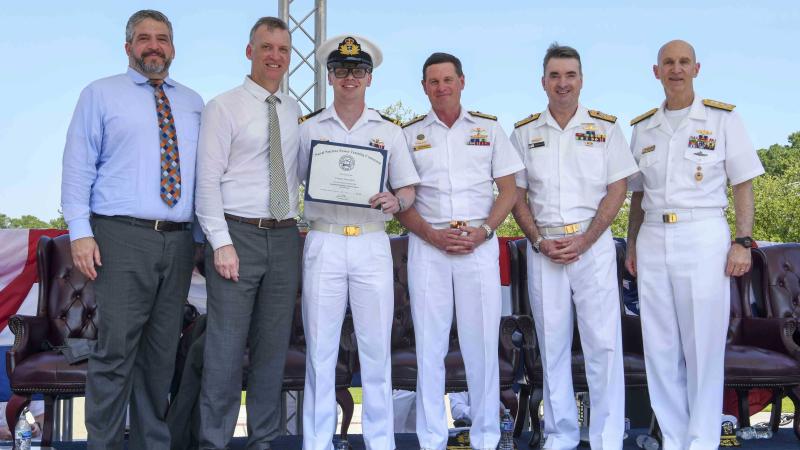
(28, 221)
(58, 223)
(401, 113)
(5, 221)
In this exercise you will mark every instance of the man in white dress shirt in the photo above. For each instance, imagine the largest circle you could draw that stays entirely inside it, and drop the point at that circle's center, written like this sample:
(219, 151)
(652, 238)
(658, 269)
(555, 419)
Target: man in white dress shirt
(577, 162)
(680, 248)
(453, 253)
(347, 257)
(247, 203)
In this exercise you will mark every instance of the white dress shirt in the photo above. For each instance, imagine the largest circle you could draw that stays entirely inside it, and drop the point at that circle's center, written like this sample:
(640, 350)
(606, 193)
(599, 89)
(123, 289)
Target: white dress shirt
(568, 171)
(690, 167)
(369, 130)
(233, 158)
(458, 165)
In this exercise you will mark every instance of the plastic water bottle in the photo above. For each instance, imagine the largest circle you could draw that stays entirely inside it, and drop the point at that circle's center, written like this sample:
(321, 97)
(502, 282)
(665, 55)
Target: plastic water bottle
(763, 433)
(23, 432)
(647, 442)
(746, 433)
(506, 431)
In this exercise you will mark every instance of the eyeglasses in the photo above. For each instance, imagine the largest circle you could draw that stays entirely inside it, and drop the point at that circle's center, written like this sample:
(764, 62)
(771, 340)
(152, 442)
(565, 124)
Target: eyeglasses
(358, 72)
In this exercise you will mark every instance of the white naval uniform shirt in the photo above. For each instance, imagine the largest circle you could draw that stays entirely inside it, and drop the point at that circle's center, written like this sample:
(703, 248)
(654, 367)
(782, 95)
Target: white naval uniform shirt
(458, 165)
(711, 142)
(233, 158)
(567, 172)
(369, 130)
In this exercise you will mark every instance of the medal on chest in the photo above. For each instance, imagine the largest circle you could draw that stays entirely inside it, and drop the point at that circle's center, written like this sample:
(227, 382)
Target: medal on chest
(479, 136)
(702, 141)
(420, 143)
(698, 176)
(589, 135)
(377, 143)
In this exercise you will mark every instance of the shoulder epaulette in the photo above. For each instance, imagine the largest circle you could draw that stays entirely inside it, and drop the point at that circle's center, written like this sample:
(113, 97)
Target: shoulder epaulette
(641, 117)
(482, 115)
(602, 116)
(309, 115)
(390, 119)
(414, 120)
(719, 105)
(527, 120)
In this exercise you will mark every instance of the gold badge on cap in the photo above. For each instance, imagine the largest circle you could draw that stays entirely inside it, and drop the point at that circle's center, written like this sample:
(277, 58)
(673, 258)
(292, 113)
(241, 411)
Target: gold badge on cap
(349, 47)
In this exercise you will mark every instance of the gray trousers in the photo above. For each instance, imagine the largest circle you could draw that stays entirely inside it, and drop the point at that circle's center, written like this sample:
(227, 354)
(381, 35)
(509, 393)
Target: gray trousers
(256, 311)
(140, 291)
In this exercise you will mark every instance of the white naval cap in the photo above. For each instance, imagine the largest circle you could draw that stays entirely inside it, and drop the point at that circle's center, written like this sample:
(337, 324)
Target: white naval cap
(349, 48)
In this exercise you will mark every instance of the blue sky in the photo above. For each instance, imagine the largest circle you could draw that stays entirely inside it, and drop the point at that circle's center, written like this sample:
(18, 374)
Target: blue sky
(52, 49)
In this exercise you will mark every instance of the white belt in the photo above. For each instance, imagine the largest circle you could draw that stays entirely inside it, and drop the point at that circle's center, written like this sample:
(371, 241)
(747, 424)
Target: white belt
(348, 230)
(564, 230)
(458, 224)
(682, 215)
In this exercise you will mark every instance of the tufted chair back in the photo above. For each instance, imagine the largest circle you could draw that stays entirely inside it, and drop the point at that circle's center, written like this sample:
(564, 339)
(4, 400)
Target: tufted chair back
(402, 325)
(66, 297)
(776, 280)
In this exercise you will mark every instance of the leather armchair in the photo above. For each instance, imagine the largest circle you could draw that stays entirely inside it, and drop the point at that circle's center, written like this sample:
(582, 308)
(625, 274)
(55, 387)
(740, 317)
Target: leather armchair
(66, 309)
(404, 360)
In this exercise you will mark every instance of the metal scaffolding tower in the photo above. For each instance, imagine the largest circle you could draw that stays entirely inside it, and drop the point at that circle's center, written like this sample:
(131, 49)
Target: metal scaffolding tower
(308, 73)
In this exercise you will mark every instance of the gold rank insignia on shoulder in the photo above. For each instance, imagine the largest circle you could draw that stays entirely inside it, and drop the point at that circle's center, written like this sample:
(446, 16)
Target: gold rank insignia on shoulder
(482, 115)
(390, 119)
(641, 117)
(527, 120)
(649, 149)
(718, 105)
(414, 120)
(602, 116)
(310, 115)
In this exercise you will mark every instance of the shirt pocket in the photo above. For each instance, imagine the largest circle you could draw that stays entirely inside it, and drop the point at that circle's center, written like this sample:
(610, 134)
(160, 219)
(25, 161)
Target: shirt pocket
(591, 161)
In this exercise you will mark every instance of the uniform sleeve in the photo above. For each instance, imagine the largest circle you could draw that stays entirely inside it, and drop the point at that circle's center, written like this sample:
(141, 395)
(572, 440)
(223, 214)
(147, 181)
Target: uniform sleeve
(401, 168)
(213, 152)
(619, 160)
(505, 159)
(79, 166)
(635, 182)
(741, 159)
(520, 177)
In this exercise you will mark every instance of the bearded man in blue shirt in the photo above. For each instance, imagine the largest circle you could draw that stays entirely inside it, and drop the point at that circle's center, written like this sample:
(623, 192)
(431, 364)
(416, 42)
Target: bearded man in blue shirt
(127, 196)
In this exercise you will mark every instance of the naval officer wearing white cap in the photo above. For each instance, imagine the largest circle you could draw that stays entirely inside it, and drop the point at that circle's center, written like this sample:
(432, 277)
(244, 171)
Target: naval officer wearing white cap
(453, 253)
(679, 245)
(577, 162)
(347, 255)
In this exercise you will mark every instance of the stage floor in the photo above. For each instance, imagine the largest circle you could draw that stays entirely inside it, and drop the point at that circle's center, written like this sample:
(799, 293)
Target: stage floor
(783, 440)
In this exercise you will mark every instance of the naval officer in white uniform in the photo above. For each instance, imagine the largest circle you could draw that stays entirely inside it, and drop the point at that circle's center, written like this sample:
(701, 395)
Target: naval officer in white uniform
(577, 162)
(453, 253)
(680, 247)
(347, 254)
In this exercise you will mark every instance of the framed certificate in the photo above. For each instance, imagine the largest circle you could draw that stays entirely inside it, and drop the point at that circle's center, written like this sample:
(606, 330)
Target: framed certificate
(344, 174)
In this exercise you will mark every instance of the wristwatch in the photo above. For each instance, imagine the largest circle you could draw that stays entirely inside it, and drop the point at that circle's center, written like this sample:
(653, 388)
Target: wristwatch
(746, 242)
(537, 243)
(489, 231)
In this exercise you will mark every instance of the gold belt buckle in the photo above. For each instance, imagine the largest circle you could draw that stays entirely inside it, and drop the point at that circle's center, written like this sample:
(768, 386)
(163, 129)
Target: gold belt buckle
(457, 224)
(352, 230)
(669, 217)
(572, 228)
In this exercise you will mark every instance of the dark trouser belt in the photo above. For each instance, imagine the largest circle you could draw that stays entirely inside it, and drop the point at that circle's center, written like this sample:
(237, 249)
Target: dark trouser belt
(157, 225)
(264, 224)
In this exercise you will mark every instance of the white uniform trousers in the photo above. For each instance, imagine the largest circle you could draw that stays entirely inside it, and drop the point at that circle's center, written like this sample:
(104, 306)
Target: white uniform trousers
(336, 268)
(685, 306)
(590, 284)
(435, 279)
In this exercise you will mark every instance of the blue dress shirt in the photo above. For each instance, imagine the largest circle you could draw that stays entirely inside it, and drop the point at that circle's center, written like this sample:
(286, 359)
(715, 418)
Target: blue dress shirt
(112, 158)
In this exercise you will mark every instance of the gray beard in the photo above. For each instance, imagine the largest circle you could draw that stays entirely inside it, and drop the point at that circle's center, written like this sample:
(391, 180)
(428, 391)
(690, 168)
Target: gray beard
(151, 69)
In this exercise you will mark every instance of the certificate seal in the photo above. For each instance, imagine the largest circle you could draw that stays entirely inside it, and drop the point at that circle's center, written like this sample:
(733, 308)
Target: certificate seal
(347, 163)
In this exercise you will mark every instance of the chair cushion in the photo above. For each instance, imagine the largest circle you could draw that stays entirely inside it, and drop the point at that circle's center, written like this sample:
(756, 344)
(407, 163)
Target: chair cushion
(48, 372)
(633, 364)
(753, 366)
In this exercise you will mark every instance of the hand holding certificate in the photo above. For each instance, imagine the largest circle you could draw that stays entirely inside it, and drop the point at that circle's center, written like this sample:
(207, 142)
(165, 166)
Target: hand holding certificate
(344, 174)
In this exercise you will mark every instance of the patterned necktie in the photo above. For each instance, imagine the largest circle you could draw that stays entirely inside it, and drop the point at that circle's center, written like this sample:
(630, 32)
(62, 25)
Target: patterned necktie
(170, 161)
(278, 189)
